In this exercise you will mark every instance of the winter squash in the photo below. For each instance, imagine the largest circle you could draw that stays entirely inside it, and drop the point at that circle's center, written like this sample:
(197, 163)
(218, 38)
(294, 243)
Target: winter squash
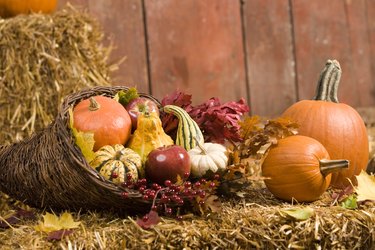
(10, 8)
(188, 131)
(336, 125)
(149, 135)
(208, 158)
(116, 162)
(105, 117)
(299, 167)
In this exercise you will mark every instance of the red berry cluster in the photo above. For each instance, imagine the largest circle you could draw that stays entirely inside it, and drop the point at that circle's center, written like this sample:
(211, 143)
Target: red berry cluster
(172, 195)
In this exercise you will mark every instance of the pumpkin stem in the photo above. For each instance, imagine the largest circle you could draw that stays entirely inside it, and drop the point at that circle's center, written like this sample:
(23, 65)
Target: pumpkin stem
(201, 147)
(94, 105)
(330, 166)
(329, 82)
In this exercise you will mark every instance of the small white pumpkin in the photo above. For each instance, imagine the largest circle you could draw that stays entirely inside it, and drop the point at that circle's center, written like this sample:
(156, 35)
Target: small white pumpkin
(208, 157)
(115, 162)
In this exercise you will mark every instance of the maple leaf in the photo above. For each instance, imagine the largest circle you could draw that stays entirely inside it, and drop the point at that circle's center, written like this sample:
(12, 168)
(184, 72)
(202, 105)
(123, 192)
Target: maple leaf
(366, 187)
(149, 220)
(84, 140)
(52, 222)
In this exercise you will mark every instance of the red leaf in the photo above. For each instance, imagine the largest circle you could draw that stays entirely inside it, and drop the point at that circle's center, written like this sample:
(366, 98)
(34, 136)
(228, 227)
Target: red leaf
(149, 220)
(59, 234)
(16, 217)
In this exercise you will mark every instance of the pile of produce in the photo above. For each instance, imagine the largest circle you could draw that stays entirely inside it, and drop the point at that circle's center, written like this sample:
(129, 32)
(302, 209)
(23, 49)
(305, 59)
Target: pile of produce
(114, 148)
(45, 57)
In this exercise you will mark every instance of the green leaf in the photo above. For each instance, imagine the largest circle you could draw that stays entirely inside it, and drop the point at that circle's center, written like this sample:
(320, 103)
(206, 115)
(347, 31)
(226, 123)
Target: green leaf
(124, 97)
(84, 140)
(350, 202)
(297, 213)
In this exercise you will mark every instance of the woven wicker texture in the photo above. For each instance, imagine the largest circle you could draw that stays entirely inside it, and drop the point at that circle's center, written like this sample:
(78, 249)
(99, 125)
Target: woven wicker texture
(48, 169)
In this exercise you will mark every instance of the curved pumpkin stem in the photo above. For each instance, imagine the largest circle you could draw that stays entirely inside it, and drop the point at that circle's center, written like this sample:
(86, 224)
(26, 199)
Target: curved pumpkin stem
(329, 82)
(330, 166)
(94, 105)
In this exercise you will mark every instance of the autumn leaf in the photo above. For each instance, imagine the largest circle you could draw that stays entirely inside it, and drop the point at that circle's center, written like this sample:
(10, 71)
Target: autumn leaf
(52, 223)
(84, 140)
(366, 187)
(124, 97)
(16, 217)
(350, 202)
(149, 220)
(298, 214)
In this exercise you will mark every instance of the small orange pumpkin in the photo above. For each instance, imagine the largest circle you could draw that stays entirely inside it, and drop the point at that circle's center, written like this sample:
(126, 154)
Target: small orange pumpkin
(10, 8)
(299, 168)
(106, 118)
(336, 125)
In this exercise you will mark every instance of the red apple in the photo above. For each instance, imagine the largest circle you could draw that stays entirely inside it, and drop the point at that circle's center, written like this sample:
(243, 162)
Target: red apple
(139, 105)
(166, 163)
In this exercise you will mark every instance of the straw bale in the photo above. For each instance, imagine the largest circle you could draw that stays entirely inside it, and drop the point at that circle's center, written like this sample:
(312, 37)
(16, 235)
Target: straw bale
(42, 59)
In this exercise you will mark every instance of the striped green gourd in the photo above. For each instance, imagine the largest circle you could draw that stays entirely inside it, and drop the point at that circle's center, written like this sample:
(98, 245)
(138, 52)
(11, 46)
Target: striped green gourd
(188, 131)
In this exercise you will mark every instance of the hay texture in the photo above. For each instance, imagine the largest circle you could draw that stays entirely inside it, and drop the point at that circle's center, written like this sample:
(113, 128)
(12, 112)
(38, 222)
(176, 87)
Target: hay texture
(43, 58)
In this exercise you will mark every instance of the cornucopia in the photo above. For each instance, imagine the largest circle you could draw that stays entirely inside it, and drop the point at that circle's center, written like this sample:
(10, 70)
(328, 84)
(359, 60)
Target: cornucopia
(49, 170)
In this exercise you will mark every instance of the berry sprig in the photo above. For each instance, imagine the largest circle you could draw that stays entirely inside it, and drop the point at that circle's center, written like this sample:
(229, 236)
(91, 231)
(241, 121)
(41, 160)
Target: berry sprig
(168, 199)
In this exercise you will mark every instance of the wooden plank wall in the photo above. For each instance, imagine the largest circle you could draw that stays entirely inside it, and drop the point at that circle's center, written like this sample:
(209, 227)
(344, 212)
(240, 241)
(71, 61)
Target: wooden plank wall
(269, 52)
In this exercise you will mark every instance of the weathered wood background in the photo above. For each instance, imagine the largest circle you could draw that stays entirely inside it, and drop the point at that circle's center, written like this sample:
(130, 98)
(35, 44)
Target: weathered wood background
(269, 52)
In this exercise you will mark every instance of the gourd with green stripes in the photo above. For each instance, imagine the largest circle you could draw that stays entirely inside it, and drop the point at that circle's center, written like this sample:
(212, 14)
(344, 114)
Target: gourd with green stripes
(115, 163)
(188, 131)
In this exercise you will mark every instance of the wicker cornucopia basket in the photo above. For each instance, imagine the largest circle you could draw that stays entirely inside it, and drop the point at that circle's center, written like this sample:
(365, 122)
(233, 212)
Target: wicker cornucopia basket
(48, 170)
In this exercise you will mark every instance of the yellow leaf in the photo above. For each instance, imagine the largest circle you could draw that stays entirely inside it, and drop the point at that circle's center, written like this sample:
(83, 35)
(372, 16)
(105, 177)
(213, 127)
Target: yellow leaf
(84, 140)
(366, 187)
(67, 221)
(297, 213)
(52, 222)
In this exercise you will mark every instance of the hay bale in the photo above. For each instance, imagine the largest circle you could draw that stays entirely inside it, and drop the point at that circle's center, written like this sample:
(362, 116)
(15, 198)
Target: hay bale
(43, 58)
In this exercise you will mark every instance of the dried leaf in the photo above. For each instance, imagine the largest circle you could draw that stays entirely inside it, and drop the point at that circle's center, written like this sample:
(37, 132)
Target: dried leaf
(366, 187)
(84, 140)
(16, 217)
(52, 222)
(213, 204)
(299, 214)
(59, 234)
(149, 220)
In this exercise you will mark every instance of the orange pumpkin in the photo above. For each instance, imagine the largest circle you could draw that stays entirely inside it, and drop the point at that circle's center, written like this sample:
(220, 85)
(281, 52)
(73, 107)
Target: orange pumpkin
(10, 8)
(299, 168)
(105, 117)
(336, 125)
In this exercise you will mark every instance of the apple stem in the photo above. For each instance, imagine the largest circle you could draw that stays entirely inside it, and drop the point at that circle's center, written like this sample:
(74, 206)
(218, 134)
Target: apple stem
(200, 146)
(94, 105)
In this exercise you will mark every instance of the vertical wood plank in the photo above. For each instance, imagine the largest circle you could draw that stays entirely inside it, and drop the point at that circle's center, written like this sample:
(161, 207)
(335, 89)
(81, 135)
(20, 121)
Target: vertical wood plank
(370, 7)
(269, 44)
(79, 3)
(123, 26)
(196, 46)
(360, 52)
(327, 30)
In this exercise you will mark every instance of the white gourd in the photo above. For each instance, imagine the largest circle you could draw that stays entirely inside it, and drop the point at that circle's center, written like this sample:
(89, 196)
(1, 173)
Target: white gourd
(208, 157)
